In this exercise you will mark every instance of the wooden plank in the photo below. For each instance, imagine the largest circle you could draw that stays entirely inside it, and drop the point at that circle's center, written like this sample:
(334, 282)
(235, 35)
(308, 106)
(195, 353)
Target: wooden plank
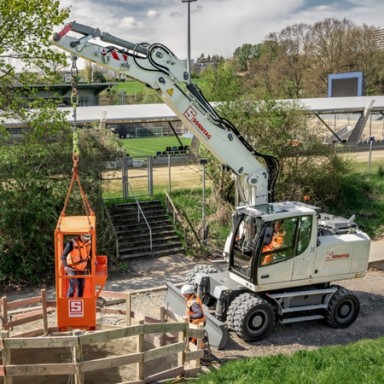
(114, 295)
(181, 354)
(76, 361)
(40, 369)
(45, 310)
(193, 355)
(112, 362)
(139, 349)
(23, 302)
(112, 311)
(26, 318)
(41, 342)
(112, 334)
(193, 332)
(151, 320)
(192, 372)
(33, 333)
(24, 310)
(4, 312)
(165, 327)
(128, 311)
(164, 351)
(168, 374)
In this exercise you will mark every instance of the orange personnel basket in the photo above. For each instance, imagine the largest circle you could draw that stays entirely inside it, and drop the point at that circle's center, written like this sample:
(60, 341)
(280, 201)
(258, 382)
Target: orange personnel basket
(78, 312)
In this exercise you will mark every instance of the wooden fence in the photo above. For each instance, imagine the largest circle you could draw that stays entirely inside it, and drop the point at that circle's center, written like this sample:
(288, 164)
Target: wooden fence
(154, 340)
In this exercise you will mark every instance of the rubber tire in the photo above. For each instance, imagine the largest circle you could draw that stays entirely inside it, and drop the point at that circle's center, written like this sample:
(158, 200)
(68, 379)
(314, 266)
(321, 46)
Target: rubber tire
(208, 300)
(254, 317)
(233, 308)
(203, 268)
(343, 309)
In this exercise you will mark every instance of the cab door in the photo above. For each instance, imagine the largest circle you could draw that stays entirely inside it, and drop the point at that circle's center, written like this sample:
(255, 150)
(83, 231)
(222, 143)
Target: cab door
(276, 255)
(305, 250)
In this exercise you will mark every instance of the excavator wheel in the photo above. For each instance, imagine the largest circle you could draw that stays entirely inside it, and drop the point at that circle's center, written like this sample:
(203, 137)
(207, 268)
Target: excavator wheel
(343, 309)
(191, 279)
(254, 317)
(233, 308)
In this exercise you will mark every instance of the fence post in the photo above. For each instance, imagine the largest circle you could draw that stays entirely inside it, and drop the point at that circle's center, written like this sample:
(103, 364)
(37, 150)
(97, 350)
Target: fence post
(4, 312)
(128, 309)
(199, 345)
(45, 313)
(163, 319)
(77, 358)
(139, 349)
(6, 357)
(181, 354)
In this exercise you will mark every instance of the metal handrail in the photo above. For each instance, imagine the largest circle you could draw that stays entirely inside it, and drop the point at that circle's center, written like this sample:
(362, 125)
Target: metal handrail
(139, 210)
(181, 218)
(113, 229)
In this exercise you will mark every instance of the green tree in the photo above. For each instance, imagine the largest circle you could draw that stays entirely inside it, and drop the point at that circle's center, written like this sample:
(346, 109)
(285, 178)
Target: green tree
(35, 165)
(307, 167)
(221, 83)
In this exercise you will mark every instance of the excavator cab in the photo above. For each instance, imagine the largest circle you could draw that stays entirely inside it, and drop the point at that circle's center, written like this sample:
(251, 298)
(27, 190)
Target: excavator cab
(265, 237)
(78, 312)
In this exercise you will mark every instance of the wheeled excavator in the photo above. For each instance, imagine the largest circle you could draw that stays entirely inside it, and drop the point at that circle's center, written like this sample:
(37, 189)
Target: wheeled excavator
(265, 280)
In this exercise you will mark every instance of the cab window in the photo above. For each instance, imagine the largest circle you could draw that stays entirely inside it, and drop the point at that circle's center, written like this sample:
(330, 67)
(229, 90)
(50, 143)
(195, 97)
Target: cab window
(281, 246)
(244, 244)
(304, 234)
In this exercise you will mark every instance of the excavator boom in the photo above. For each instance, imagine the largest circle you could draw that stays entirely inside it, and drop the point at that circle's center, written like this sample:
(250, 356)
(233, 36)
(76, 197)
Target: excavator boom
(156, 66)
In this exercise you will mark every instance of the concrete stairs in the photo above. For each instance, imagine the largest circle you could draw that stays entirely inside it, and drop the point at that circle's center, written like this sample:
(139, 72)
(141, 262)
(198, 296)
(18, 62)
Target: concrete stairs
(133, 236)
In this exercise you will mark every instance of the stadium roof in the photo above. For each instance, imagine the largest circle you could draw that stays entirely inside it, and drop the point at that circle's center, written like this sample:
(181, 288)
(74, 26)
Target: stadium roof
(335, 105)
(141, 113)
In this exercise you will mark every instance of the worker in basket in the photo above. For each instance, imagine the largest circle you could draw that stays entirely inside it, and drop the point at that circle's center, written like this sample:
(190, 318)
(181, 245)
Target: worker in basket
(76, 261)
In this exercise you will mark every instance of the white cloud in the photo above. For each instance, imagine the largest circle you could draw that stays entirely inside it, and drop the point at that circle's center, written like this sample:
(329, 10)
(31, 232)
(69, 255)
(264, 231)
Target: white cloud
(152, 13)
(217, 26)
(129, 23)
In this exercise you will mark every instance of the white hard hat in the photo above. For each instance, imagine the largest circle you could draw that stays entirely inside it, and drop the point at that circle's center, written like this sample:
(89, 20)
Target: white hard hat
(187, 289)
(85, 236)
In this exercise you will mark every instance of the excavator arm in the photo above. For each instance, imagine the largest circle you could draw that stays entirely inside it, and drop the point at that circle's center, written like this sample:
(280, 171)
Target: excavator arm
(156, 66)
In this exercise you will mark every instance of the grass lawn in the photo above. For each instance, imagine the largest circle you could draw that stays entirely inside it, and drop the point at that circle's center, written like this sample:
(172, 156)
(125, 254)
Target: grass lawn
(131, 87)
(356, 363)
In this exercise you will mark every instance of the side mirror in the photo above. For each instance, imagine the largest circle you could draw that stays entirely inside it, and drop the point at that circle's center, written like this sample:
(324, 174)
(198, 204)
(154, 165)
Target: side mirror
(268, 234)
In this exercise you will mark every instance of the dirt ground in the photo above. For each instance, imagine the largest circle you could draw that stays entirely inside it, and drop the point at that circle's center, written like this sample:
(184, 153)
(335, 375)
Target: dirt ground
(285, 339)
(290, 338)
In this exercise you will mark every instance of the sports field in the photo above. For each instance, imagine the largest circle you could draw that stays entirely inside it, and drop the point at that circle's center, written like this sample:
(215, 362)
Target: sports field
(148, 146)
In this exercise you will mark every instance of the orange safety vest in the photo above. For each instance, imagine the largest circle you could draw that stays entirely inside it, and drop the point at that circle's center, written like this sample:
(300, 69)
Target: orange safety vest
(189, 311)
(276, 243)
(78, 257)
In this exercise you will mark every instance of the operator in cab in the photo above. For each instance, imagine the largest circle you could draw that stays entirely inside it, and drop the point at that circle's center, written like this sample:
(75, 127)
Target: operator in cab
(276, 242)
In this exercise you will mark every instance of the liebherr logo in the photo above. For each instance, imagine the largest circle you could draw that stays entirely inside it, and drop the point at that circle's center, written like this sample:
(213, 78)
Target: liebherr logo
(190, 115)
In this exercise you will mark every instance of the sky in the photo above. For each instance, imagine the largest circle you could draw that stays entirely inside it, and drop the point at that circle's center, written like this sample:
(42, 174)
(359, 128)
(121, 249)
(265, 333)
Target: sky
(218, 27)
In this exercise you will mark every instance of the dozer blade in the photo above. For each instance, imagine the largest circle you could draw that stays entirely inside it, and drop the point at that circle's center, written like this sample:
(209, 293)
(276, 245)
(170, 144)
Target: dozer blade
(217, 330)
